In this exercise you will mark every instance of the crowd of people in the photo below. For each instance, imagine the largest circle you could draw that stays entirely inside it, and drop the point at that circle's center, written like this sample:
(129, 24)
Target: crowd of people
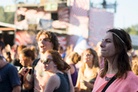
(47, 67)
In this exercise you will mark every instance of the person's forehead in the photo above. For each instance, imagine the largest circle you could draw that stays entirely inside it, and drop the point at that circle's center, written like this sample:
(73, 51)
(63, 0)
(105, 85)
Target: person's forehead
(87, 52)
(44, 36)
(108, 35)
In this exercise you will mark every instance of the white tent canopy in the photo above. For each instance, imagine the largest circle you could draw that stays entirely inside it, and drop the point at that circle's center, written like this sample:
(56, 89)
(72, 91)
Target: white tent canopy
(81, 45)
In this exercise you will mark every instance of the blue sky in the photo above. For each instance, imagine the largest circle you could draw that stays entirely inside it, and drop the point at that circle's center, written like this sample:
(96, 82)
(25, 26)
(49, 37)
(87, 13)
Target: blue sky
(126, 15)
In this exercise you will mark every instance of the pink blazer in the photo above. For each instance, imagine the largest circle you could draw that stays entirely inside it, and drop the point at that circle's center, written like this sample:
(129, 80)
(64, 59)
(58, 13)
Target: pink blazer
(130, 84)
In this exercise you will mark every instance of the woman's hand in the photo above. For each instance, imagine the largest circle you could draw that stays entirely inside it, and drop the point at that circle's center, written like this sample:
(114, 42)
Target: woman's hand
(76, 89)
(23, 71)
(88, 84)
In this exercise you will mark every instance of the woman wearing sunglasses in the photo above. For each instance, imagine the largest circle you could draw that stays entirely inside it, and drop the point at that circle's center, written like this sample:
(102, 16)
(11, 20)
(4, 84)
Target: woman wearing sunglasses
(58, 70)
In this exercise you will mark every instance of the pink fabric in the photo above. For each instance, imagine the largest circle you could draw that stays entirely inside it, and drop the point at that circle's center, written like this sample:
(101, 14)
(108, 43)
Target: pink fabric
(130, 84)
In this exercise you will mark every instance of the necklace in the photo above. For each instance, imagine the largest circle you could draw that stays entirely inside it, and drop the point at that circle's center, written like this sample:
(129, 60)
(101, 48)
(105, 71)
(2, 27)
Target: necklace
(108, 78)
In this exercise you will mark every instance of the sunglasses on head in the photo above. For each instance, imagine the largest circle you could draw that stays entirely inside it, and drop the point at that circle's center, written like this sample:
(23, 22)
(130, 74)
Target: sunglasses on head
(47, 61)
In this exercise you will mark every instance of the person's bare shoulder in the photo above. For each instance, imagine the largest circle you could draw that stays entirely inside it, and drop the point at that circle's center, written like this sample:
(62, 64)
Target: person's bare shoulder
(55, 78)
(53, 83)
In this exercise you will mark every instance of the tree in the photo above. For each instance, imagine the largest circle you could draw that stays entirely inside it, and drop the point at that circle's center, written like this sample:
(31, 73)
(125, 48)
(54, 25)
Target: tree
(133, 30)
(2, 14)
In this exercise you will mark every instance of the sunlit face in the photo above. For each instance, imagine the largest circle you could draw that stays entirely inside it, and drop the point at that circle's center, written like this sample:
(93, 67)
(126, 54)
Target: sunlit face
(48, 63)
(87, 57)
(44, 43)
(107, 46)
(24, 61)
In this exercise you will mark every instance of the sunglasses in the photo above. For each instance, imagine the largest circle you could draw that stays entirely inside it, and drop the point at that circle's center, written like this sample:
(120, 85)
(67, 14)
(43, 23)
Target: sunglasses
(47, 61)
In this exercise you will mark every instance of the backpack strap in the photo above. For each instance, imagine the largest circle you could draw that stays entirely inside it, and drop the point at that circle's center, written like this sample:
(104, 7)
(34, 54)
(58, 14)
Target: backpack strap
(35, 62)
(33, 66)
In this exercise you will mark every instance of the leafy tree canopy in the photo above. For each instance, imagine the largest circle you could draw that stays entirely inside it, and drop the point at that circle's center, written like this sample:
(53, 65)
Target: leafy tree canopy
(133, 30)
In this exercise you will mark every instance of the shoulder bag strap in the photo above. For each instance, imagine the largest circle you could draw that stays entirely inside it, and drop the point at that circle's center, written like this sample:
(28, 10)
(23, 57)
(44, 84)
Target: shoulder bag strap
(109, 83)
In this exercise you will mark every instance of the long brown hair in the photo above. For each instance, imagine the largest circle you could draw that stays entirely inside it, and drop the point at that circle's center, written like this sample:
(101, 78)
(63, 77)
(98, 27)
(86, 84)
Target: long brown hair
(95, 56)
(122, 42)
(57, 59)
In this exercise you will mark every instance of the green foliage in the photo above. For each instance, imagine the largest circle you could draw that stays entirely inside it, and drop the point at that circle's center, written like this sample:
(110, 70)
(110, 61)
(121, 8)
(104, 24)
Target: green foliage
(7, 17)
(133, 30)
(2, 17)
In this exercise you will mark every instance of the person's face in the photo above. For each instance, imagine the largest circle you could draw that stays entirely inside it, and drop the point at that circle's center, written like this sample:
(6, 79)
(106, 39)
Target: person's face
(87, 57)
(24, 61)
(107, 46)
(44, 44)
(48, 63)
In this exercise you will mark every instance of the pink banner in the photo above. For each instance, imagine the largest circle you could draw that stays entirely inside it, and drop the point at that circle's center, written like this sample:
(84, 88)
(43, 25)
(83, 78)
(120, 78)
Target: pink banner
(99, 22)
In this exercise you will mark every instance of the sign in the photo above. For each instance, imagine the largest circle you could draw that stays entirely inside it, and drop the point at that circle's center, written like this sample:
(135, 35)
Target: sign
(10, 8)
(51, 6)
(134, 40)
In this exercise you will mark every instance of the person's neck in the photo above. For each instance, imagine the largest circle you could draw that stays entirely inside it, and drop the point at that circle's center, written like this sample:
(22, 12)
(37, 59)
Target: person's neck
(89, 66)
(112, 70)
(55, 71)
(112, 66)
(42, 56)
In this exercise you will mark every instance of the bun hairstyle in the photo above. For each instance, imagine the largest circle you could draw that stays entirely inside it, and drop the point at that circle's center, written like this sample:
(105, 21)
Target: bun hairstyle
(28, 52)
